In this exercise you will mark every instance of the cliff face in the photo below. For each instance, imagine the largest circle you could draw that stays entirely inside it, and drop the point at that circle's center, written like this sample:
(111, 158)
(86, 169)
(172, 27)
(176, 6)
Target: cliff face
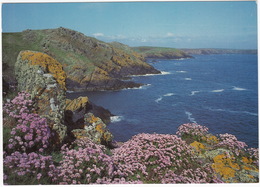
(161, 53)
(43, 78)
(90, 64)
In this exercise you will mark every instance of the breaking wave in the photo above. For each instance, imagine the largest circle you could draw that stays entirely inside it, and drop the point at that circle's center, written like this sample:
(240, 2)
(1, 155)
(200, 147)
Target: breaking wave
(220, 90)
(115, 119)
(238, 88)
(158, 100)
(231, 111)
(194, 92)
(168, 94)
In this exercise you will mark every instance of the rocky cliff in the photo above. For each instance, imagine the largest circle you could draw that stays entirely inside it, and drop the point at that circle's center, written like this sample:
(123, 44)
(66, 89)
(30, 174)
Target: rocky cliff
(43, 78)
(90, 64)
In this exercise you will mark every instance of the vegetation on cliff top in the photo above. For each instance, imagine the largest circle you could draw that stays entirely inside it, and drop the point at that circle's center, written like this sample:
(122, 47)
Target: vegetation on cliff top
(161, 52)
(89, 63)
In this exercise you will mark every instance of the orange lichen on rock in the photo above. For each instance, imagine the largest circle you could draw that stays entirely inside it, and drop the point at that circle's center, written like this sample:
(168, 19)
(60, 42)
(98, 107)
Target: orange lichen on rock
(198, 146)
(225, 166)
(100, 128)
(76, 104)
(211, 139)
(93, 119)
(49, 64)
(246, 160)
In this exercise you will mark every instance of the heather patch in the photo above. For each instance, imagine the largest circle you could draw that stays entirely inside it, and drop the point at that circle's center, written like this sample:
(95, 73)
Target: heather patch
(158, 158)
(192, 131)
(31, 132)
(83, 162)
(31, 168)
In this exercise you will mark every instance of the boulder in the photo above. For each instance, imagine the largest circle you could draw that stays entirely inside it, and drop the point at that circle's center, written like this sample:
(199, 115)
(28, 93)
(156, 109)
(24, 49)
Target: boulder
(81, 122)
(43, 77)
(95, 129)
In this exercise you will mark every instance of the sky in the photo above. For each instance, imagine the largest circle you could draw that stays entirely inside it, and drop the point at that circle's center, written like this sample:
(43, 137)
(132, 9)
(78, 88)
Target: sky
(165, 24)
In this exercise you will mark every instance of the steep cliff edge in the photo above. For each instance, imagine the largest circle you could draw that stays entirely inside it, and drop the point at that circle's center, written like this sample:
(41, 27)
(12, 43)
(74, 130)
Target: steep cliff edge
(90, 64)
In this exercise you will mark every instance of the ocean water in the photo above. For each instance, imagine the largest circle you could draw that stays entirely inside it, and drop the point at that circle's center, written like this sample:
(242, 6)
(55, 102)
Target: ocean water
(217, 91)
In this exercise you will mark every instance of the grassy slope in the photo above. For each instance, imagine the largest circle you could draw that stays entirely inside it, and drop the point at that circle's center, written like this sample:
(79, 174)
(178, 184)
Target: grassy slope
(83, 58)
(160, 52)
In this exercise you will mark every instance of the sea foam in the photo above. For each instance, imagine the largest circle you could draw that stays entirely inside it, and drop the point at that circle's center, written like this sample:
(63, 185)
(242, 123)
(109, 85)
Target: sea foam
(115, 119)
(147, 75)
(189, 114)
(168, 94)
(181, 71)
(231, 111)
(159, 99)
(238, 88)
(221, 90)
(194, 92)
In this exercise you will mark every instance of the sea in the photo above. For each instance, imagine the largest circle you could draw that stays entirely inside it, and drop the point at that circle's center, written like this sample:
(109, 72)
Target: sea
(216, 91)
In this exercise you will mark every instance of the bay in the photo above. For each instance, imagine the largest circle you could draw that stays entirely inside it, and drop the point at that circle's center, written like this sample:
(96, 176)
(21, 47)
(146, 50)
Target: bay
(217, 91)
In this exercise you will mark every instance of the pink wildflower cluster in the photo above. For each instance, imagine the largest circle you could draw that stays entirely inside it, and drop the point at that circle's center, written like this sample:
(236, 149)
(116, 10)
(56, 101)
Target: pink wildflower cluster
(31, 132)
(86, 163)
(19, 105)
(151, 157)
(19, 167)
(192, 130)
(230, 142)
(197, 175)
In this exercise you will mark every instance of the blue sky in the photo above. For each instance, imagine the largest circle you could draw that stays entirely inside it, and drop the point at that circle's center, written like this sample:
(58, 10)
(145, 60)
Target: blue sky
(166, 24)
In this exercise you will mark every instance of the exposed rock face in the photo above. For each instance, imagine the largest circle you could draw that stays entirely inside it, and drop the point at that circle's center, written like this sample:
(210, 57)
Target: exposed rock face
(95, 129)
(43, 77)
(82, 123)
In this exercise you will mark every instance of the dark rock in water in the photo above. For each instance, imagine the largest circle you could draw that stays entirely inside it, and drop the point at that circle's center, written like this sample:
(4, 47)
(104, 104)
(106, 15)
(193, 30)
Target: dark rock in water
(43, 77)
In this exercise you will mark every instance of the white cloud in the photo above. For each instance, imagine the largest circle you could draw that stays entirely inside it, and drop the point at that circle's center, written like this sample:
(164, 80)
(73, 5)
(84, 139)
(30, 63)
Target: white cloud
(169, 34)
(98, 34)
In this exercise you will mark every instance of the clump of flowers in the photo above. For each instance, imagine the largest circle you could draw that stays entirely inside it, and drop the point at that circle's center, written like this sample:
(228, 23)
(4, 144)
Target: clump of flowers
(230, 142)
(31, 168)
(157, 158)
(19, 105)
(192, 130)
(31, 132)
(83, 162)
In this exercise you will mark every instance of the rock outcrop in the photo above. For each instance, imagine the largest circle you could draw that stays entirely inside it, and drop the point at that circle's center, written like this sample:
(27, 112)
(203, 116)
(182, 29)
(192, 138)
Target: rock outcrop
(43, 77)
(95, 129)
(84, 119)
